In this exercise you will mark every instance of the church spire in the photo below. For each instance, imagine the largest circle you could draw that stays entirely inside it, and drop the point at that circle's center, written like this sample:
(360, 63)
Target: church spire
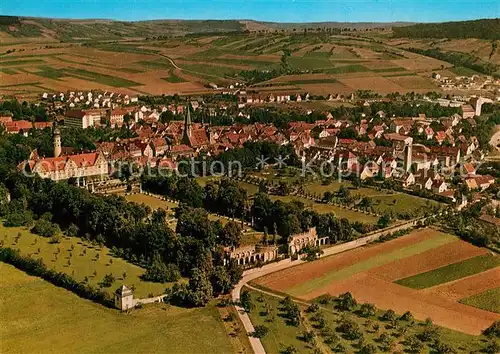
(186, 137)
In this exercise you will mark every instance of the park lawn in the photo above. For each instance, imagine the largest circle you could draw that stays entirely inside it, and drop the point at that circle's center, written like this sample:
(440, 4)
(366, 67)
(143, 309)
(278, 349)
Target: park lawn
(488, 300)
(320, 189)
(152, 202)
(323, 208)
(82, 265)
(401, 202)
(38, 317)
(451, 272)
(280, 334)
(202, 181)
(251, 238)
(250, 188)
(340, 274)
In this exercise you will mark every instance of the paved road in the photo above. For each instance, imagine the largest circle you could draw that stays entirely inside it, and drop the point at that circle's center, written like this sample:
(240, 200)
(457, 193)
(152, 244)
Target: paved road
(255, 273)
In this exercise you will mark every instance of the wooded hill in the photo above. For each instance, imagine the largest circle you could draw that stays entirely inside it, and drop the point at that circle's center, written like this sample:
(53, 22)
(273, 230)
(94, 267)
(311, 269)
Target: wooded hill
(485, 29)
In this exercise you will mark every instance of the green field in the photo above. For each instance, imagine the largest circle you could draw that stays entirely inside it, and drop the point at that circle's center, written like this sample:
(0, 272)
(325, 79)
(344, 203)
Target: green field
(488, 300)
(172, 78)
(21, 62)
(8, 71)
(384, 201)
(156, 64)
(250, 188)
(38, 317)
(282, 335)
(461, 71)
(100, 78)
(335, 275)
(77, 263)
(152, 202)
(451, 272)
(323, 208)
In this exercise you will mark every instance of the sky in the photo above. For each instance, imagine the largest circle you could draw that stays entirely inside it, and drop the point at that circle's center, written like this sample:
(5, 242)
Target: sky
(262, 10)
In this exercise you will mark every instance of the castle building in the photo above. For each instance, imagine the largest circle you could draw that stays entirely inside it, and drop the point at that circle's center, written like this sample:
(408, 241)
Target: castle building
(86, 167)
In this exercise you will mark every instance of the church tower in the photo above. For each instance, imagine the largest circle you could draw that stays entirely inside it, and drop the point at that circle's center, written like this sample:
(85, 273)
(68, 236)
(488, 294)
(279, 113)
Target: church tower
(57, 143)
(186, 136)
(408, 151)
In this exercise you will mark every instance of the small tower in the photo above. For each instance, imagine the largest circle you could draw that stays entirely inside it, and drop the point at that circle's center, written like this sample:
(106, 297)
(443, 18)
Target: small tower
(186, 136)
(408, 157)
(57, 143)
(124, 298)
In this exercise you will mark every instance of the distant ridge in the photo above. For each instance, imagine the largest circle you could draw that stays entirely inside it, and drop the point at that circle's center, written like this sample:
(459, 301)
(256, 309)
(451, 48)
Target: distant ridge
(67, 29)
(484, 29)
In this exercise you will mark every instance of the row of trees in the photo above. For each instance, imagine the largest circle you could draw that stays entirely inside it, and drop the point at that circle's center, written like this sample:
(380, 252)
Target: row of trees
(227, 198)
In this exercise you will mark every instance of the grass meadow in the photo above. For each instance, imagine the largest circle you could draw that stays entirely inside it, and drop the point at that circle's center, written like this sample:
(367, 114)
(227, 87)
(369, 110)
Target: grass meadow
(38, 317)
(80, 259)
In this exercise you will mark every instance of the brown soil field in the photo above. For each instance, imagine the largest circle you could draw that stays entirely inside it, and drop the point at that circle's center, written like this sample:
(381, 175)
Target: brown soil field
(413, 82)
(326, 47)
(18, 79)
(380, 64)
(429, 260)
(374, 83)
(386, 295)
(468, 286)
(366, 53)
(326, 89)
(299, 77)
(182, 51)
(171, 88)
(419, 62)
(305, 272)
(208, 40)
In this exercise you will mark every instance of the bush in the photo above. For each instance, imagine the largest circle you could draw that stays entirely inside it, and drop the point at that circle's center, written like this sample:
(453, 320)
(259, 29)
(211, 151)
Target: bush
(260, 331)
(493, 330)
(107, 281)
(492, 348)
(160, 272)
(429, 334)
(389, 315)
(347, 302)
(45, 228)
(367, 310)
(350, 329)
(368, 349)
(407, 316)
(18, 218)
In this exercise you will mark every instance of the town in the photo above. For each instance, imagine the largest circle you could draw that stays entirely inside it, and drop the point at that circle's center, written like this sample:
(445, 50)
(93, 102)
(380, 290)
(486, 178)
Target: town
(236, 186)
